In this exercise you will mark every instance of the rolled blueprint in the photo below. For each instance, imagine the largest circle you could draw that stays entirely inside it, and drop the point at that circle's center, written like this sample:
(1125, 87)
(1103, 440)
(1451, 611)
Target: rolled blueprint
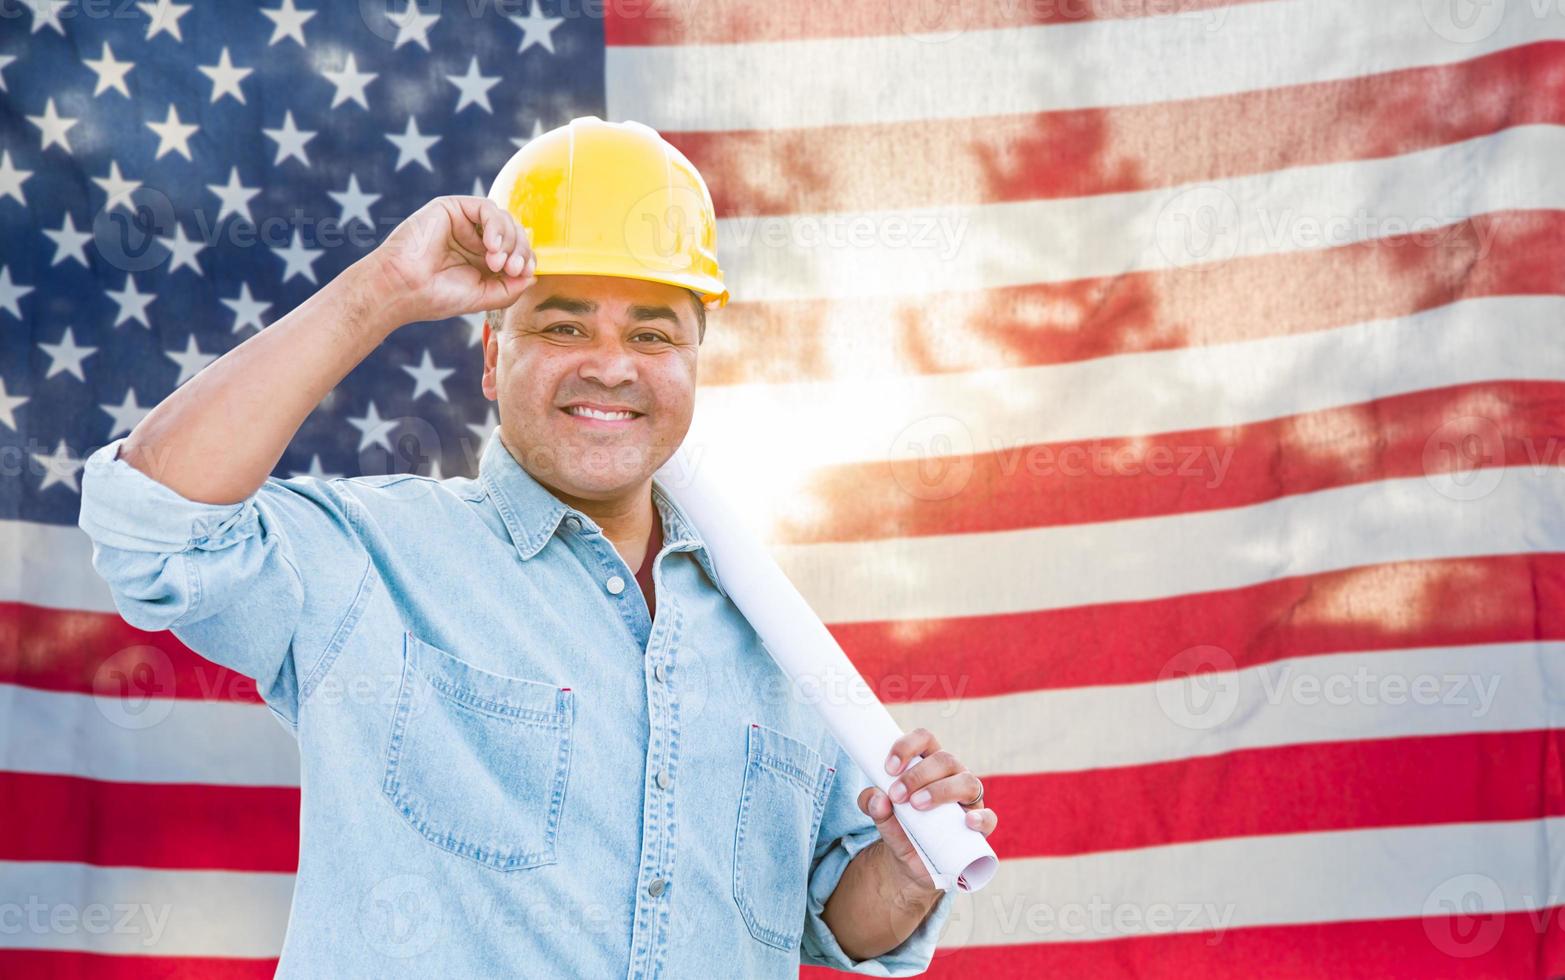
(954, 854)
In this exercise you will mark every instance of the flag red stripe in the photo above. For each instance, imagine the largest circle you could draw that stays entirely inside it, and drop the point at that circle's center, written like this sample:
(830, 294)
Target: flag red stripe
(675, 22)
(165, 825)
(1118, 149)
(95, 966)
(83, 652)
(1499, 254)
(1496, 599)
(1436, 431)
(1487, 946)
(1324, 786)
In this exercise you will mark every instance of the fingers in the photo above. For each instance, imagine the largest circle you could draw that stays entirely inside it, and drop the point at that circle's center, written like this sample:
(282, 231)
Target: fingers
(935, 780)
(983, 821)
(488, 230)
(919, 741)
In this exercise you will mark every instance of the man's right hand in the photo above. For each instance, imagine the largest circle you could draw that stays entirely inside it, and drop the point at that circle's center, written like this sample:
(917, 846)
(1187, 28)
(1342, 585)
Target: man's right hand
(455, 255)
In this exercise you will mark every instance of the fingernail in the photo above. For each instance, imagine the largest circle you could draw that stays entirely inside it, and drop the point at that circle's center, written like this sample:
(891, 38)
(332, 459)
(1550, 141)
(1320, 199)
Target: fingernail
(972, 820)
(921, 798)
(898, 791)
(893, 763)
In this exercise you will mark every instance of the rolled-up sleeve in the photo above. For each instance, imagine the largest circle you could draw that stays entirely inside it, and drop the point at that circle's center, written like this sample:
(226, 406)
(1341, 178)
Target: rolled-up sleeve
(260, 586)
(845, 831)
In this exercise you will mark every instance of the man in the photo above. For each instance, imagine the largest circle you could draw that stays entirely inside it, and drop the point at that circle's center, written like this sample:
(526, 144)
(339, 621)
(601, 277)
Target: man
(513, 762)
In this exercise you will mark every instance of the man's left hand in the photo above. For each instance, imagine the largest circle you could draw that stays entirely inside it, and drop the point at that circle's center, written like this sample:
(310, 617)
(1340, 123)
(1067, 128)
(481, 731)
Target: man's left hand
(939, 777)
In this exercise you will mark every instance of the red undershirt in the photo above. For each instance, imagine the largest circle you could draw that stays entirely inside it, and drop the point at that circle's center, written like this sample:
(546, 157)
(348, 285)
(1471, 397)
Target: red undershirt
(644, 573)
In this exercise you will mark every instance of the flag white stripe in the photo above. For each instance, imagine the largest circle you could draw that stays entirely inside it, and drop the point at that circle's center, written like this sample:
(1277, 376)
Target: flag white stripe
(1403, 872)
(755, 435)
(1132, 61)
(1206, 886)
(1455, 690)
(977, 574)
(228, 743)
(87, 908)
(910, 252)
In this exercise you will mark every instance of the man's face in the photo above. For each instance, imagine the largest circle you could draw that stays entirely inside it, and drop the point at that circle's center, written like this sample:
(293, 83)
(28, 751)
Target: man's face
(604, 341)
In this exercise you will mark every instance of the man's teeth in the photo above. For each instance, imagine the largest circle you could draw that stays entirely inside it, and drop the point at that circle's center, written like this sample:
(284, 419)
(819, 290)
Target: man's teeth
(593, 413)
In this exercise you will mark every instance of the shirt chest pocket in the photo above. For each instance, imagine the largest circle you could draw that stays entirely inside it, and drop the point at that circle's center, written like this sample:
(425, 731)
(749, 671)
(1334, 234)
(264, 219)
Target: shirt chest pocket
(478, 762)
(785, 787)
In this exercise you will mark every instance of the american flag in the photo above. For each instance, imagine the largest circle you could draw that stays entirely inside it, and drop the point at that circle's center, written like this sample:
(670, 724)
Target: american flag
(1162, 401)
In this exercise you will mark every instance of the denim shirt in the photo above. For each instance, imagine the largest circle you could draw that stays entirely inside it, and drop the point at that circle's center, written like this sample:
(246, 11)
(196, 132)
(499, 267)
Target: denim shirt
(507, 767)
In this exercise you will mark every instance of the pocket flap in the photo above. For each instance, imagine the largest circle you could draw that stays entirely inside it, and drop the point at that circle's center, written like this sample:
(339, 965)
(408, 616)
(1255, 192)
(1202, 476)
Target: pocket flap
(785, 754)
(494, 694)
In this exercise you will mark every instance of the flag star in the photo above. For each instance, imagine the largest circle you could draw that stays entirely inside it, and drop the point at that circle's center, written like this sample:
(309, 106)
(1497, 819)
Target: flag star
(374, 430)
(429, 378)
(111, 73)
(298, 259)
(350, 83)
(117, 187)
(132, 303)
(67, 356)
(315, 470)
(173, 135)
(126, 414)
(53, 126)
(475, 326)
(12, 179)
(225, 77)
(59, 467)
(355, 203)
(412, 25)
(234, 195)
(434, 469)
(247, 309)
(69, 244)
(5, 60)
(478, 187)
(11, 293)
(537, 132)
(537, 29)
(165, 16)
(412, 146)
(8, 405)
(46, 13)
(287, 22)
(190, 360)
(473, 88)
(482, 429)
(290, 140)
(183, 250)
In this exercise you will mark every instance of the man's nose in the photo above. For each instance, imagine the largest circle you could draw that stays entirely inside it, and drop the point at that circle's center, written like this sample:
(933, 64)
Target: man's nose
(608, 362)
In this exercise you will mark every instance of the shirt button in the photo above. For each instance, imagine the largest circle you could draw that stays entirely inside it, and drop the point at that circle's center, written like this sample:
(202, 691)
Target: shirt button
(656, 888)
(659, 671)
(573, 522)
(663, 779)
(616, 584)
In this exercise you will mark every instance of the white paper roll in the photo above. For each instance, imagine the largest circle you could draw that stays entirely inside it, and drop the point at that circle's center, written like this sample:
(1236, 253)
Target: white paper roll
(954, 854)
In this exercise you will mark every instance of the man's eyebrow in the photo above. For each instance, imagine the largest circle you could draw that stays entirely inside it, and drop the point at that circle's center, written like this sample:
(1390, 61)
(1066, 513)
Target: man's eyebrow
(571, 304)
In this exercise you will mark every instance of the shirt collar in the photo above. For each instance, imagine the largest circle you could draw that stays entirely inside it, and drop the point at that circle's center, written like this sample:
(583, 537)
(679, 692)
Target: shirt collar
(533, 514)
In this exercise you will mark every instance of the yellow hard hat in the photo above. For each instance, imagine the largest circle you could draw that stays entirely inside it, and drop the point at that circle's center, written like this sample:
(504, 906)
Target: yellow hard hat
(614, 199)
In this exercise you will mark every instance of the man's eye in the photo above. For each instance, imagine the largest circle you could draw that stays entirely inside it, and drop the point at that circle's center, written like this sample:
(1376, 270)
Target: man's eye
(560, 326)
(654, 336)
